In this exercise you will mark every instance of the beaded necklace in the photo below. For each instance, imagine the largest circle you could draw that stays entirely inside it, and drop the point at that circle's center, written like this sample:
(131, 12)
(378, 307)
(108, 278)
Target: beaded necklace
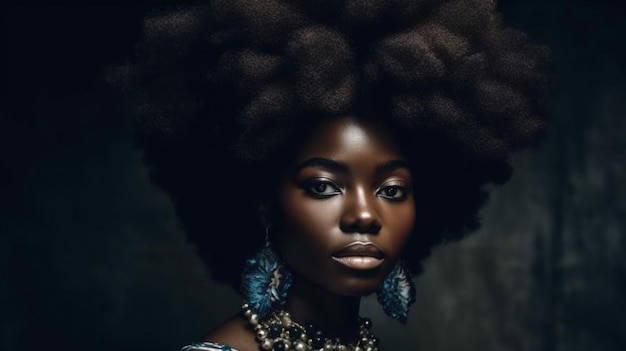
(279, 333)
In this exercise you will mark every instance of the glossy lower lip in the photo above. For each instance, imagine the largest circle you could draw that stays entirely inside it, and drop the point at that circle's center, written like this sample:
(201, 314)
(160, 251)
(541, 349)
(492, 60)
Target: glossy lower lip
(359, 262)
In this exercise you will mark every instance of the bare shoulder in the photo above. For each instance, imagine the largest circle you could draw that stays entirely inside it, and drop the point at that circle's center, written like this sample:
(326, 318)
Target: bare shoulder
(236, 333)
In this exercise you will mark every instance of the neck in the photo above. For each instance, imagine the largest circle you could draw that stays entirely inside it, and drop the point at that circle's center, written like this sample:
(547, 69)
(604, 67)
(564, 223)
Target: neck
(335, 315)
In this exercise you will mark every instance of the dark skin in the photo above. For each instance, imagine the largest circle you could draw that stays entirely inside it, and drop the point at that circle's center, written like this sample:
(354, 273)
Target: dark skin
(348, 187)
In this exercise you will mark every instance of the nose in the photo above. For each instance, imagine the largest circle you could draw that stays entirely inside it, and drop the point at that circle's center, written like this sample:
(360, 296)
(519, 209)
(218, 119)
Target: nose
(359, 213)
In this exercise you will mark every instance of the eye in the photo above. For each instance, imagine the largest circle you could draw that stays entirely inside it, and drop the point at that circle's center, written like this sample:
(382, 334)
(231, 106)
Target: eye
(321, 189)
(393, 192)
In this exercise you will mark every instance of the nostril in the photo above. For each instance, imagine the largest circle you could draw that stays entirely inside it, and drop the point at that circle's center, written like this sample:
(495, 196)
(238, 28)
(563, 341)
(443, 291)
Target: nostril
(364, 222)
(360, 214)
(374, 228)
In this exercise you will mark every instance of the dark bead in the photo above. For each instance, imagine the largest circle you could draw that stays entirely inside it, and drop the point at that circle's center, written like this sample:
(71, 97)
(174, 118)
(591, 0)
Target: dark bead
(367, 323)
(279, 346)
(317, 342)
(295, 333)
(274, 331)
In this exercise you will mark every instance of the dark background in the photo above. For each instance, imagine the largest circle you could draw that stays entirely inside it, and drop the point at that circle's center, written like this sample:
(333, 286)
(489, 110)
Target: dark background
(91, 258)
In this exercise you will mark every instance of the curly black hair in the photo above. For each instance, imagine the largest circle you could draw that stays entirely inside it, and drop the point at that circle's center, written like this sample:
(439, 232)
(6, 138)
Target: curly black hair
(224, 92)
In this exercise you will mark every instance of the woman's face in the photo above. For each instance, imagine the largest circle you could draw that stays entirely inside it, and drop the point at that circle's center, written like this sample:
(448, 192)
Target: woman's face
(347, 205)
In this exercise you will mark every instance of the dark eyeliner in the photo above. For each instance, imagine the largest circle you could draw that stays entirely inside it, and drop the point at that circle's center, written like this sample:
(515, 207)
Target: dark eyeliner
(405, 191)
(308, 187)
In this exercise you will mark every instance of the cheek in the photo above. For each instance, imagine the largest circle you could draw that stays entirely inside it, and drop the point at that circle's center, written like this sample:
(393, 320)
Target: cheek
(302, 214)
(400, 222)
(308, 225)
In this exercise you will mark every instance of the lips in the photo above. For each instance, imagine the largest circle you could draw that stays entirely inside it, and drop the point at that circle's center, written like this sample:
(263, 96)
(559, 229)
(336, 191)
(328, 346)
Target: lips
(360, 255)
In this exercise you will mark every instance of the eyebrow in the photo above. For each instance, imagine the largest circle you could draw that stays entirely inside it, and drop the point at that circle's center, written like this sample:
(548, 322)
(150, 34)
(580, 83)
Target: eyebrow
(343, 168)
(391, 165)
(323, 163)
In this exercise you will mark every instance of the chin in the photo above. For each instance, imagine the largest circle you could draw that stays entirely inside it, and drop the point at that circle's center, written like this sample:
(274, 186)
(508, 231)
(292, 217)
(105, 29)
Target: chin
(357, 288)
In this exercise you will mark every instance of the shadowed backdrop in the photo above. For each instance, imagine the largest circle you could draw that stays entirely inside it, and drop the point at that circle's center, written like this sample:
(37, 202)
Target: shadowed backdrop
(91, 256)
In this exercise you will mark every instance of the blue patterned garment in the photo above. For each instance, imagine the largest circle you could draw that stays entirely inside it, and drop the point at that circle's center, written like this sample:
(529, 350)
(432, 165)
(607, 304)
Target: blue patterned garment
(207, 346)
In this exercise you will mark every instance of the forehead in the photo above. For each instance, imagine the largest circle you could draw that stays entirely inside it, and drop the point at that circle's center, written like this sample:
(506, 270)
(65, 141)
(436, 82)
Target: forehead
(348, 137)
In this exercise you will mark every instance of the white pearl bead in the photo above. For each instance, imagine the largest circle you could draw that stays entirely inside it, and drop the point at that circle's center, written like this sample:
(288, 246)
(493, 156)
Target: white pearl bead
(267, 344)
(261, 333)
(300, 346)
(286, 321)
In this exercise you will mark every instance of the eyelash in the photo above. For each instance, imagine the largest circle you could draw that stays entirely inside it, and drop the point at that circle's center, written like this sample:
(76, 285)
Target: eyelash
(402, 190)
(312, 189)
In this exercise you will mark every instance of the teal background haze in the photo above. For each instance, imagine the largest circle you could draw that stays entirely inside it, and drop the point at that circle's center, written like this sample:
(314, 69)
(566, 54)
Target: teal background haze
(91, 256)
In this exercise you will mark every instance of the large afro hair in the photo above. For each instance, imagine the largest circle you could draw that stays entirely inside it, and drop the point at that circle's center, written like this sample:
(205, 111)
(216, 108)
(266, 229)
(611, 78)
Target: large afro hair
(222, 93)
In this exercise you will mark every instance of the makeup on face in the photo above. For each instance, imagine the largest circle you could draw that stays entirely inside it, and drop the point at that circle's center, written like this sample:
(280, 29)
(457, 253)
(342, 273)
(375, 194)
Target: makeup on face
(362, 255)
(348, 207)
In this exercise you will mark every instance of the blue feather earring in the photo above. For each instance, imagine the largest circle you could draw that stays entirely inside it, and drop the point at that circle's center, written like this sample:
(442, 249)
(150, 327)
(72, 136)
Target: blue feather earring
(397, 293)
(265, 281)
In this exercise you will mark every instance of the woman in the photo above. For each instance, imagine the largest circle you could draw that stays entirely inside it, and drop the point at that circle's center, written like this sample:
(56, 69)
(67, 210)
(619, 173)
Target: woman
(316, 151)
